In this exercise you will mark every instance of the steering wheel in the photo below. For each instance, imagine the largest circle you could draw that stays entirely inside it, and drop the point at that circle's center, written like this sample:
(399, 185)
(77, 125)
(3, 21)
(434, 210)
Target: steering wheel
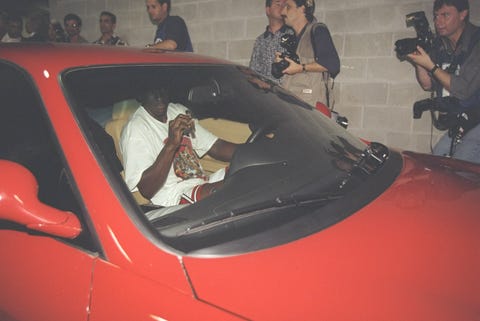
(260, 131)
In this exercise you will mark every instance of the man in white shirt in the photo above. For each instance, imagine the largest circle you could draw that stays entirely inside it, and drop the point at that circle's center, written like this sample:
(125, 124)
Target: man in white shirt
(160, 144)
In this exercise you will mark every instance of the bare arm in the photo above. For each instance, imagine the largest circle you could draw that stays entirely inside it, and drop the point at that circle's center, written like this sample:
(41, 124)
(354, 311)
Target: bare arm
(222, 150)
(423, 64)
(423, 78)
(166, 44)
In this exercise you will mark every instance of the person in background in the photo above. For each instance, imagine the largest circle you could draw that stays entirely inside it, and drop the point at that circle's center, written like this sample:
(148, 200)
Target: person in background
(56, 32)
(452, 68)
(73, 27)
(160, 144)
(172, 32)
(37, 26)
(14, 29)
(267, 44)
(108, 22)
(312, 78)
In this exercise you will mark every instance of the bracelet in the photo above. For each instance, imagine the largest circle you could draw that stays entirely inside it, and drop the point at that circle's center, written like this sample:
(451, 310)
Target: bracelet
(303, 68)
(432, 71)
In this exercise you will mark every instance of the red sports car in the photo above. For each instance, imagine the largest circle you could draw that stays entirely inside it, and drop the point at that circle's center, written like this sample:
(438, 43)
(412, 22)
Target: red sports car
(310, 224)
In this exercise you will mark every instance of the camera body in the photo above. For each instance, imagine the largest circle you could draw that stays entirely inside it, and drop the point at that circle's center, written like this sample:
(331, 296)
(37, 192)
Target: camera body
(289, 43)
(447, 104)
(451, 114)
(424, 37)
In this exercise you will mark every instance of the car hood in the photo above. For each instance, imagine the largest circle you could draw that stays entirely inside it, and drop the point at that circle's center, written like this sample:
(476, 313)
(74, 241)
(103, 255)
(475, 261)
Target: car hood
(412, 254)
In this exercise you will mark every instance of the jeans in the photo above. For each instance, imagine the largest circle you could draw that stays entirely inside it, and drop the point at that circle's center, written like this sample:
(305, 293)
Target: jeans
(467, 149)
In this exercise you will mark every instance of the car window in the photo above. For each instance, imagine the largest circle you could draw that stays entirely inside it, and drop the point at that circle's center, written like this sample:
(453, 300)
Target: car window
(26, 138)
(295, 172)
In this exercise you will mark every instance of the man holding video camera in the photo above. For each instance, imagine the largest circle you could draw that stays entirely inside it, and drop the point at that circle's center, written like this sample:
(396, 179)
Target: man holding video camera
(311, 78)
(452, 68)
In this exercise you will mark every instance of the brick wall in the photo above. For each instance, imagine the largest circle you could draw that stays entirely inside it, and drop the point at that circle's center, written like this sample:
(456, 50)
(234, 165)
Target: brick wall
(374, 89)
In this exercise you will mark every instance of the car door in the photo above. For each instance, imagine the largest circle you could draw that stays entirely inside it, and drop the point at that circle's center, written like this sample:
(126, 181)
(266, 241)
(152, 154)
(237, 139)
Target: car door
(42, 276)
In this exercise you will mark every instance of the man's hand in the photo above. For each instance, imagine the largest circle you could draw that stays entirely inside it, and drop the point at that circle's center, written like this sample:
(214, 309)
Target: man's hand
(423, 65)
(278, 56)
(421, 58)
(293, 67)
(181, 125)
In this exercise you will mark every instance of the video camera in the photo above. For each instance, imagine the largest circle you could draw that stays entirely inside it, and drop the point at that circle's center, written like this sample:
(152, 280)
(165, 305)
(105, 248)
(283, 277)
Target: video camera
(424, 37)
(289, 43)
(446, 104)
(451, 114)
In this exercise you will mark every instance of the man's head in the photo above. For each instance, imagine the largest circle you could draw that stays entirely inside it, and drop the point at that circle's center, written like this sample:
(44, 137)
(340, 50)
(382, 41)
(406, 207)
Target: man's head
(273, 9)
(461, 5)
(73, 24)
(15, 26)
(158, 10)
(450, 17)
(38, 22)
(107, 22)
(155, 101)
(298, 12)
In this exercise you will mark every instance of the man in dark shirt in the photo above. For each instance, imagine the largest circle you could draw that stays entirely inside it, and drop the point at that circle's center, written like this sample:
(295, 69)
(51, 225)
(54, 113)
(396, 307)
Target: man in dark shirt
(108, 22)
(453, 69)
(73, 27)
(172, 32)
(268, 43)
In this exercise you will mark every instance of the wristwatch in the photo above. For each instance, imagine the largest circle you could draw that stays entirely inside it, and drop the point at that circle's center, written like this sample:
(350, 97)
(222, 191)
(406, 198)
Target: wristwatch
(432, 71)
(303, 68)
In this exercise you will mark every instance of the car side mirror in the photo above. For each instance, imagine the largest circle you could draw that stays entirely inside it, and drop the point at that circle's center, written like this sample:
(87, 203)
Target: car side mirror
(19, 203)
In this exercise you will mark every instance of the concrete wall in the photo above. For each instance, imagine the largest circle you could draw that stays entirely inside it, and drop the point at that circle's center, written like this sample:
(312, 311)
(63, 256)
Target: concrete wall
(374, 89)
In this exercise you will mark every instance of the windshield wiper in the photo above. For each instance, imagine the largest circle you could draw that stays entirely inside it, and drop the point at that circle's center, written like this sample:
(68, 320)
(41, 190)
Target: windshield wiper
(259, 209)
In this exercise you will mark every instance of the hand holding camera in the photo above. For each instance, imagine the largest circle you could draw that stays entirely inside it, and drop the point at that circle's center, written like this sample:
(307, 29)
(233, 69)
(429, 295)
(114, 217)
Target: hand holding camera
(420, 57)
(424, 39)
(289, 43)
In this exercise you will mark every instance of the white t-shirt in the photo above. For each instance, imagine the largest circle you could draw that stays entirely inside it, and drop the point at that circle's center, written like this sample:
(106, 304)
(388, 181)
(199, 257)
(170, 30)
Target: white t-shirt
(143, 139)
(7, 38)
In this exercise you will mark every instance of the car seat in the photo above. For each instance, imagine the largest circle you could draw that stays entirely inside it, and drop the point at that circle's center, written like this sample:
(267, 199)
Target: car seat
(120, 115)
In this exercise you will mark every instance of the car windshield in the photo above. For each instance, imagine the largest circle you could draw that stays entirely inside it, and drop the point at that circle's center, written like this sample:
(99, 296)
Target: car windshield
(294, 173)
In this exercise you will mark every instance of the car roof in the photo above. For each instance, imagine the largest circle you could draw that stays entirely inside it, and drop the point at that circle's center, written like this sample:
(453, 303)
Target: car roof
(63, 55)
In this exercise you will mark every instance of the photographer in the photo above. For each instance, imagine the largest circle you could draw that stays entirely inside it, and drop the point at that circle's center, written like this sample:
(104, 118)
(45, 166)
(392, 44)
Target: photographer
(312, 78)
(452, 68)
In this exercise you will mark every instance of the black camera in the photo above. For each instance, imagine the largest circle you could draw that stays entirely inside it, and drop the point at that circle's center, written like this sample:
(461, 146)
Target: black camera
(289, 43)
(450, 111)
(452, 115)
(424, 37)
(447, 104)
